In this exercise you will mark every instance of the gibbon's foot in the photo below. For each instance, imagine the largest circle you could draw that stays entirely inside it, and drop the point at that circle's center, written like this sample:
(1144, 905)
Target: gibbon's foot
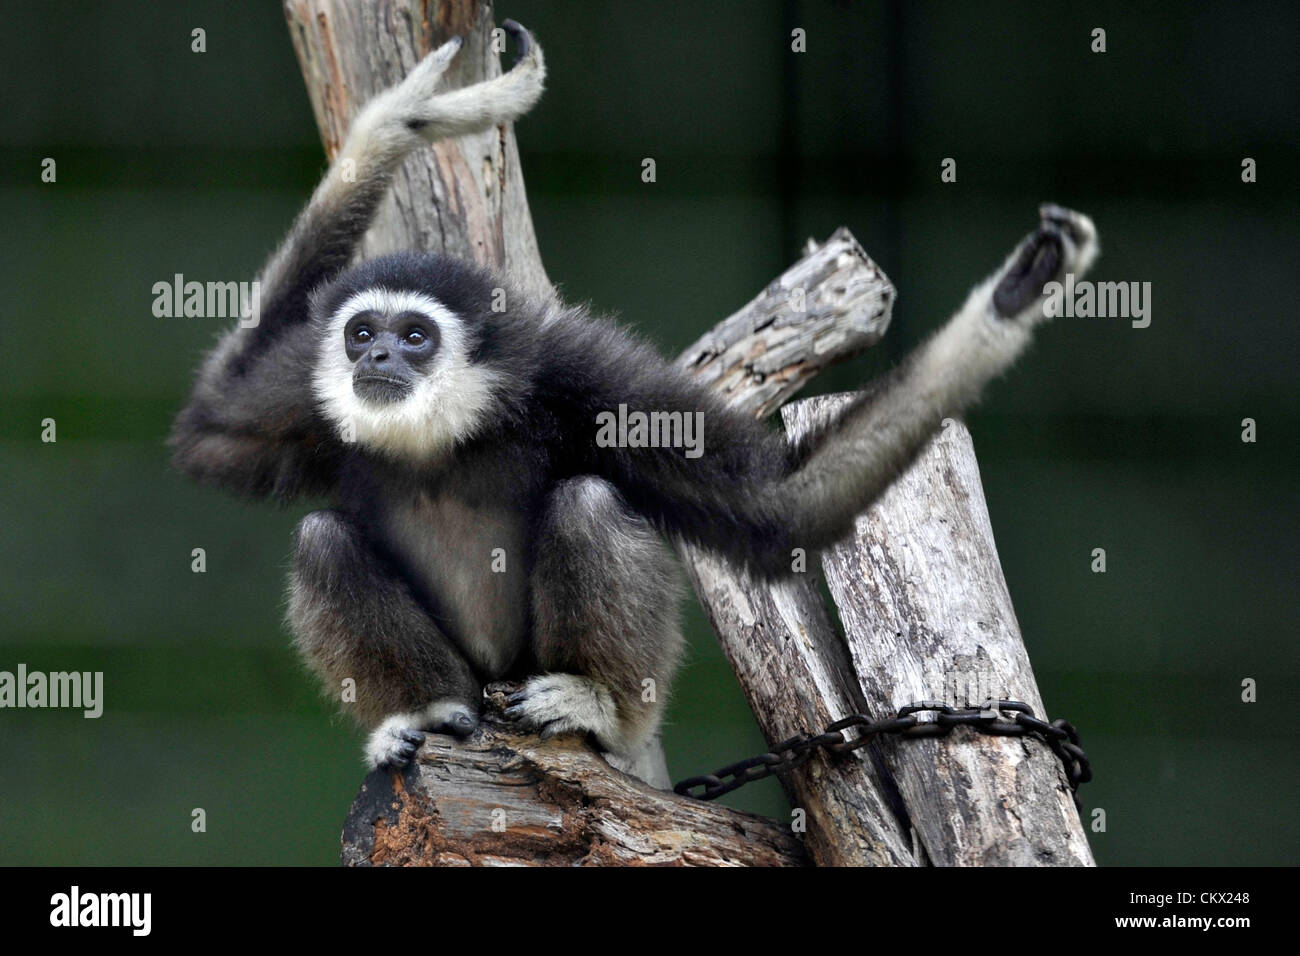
(1065, 241)
(461, 724)
(394, 742)
(449, 717)
(392, 745)
(566, 703)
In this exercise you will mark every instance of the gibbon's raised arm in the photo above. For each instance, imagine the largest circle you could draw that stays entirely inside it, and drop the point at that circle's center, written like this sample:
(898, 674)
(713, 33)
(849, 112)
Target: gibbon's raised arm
(252, 424)
(752, 499)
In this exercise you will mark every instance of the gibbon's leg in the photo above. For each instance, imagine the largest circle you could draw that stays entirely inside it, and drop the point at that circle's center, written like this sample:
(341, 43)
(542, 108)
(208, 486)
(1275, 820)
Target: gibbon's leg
(353, 618)
(605, 594)
(841, 468)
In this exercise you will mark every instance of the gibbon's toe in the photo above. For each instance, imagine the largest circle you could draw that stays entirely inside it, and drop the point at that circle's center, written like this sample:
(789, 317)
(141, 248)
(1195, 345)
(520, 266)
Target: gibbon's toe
(554, 704)
(1038, 262)
(392, 747)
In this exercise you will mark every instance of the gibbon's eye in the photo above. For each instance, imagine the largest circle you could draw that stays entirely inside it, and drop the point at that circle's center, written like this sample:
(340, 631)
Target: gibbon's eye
(361, 335)
(415, 336)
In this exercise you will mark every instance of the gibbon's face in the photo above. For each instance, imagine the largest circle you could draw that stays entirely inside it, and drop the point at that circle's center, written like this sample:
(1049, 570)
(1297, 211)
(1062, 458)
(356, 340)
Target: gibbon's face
(394, 373)
(390, 352)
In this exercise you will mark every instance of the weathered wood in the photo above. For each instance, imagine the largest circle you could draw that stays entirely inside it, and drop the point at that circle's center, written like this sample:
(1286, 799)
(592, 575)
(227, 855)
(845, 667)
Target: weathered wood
(792, 666)
(778, 638)
(927, 615)
(829, 306)
(499, 799)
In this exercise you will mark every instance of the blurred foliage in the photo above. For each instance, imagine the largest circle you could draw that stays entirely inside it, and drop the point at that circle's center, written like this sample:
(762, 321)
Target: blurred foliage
(175, 162)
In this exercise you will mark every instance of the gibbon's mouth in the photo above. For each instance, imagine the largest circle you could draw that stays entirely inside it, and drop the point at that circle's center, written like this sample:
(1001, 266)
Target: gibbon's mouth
(380, 388)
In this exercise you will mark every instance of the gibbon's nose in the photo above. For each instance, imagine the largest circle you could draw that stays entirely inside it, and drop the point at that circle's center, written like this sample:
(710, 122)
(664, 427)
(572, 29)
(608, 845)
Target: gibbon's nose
(378, 353)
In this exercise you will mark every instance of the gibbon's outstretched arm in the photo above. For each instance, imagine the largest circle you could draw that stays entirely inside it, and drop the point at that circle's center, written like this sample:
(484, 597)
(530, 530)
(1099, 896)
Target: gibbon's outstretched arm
(752, 499)
(742, 492)
(843, 468)
(252, 423)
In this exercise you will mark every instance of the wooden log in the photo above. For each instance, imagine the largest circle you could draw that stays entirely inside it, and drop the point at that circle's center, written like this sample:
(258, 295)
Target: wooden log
(829, 306)
(502, 800)
(928, 616)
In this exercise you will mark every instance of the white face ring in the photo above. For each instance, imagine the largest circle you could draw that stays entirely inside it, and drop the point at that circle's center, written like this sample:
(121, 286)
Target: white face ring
(447, 405)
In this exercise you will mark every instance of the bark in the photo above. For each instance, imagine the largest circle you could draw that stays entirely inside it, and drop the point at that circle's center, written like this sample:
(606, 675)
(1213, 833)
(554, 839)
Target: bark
(504, 800)
(779, 638)
(928, 616)
(829, 306)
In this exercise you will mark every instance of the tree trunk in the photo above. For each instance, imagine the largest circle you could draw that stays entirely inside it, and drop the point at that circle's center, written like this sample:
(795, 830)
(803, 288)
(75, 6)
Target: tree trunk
(778, 637)
(500, 799)
(927, 616)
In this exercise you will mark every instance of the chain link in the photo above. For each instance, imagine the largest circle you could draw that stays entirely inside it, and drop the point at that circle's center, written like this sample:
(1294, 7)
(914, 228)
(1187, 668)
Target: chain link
(999, 718)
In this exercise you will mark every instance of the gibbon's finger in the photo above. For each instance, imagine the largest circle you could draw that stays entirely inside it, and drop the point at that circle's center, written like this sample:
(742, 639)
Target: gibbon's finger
(427, 72)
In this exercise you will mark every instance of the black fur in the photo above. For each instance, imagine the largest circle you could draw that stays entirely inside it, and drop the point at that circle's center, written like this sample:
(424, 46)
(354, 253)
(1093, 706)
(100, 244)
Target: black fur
(573, 602)
(568, 370)
(355, 617)
(563, 373)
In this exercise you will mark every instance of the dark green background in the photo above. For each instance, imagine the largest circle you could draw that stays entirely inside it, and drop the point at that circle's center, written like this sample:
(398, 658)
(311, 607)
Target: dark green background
(1106, 436)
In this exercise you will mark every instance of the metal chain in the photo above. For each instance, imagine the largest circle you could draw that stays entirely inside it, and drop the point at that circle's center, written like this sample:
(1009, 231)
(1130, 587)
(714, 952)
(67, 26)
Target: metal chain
(991, 719)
